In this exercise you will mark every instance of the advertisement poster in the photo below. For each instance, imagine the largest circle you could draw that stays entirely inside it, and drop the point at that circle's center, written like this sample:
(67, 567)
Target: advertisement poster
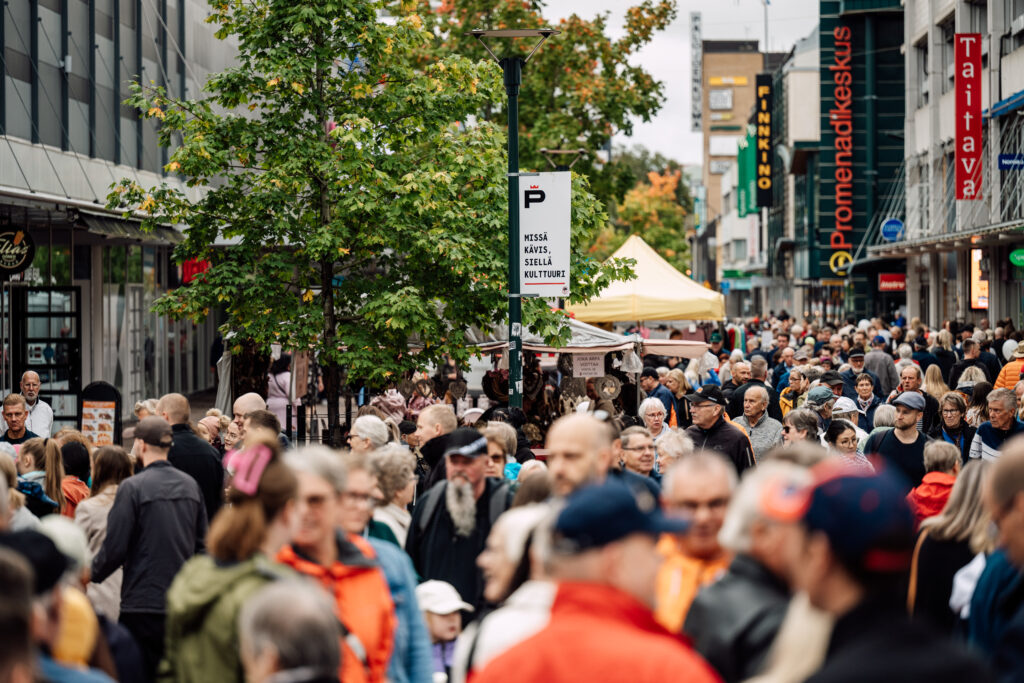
(98, 421)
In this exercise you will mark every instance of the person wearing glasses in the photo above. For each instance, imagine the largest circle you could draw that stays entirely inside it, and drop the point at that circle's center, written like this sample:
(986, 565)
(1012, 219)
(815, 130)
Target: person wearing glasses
(800, 425)
(711, 431)
(953, 427)
(638, 452)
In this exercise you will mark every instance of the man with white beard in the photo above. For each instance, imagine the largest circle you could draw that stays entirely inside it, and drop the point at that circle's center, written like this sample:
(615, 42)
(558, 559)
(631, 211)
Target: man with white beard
(452, 520)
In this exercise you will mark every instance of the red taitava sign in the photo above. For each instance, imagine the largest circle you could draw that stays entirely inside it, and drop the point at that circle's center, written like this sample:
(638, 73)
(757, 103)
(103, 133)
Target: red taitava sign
(967, 63)
(892, 282)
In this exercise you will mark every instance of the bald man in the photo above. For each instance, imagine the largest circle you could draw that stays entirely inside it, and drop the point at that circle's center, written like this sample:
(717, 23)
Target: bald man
(245, 404)
(40, 416)
(582, 450)
(191, 454)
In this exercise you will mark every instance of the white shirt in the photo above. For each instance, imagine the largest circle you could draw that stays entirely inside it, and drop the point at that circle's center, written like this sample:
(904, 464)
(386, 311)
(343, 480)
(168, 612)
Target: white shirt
(39, 420)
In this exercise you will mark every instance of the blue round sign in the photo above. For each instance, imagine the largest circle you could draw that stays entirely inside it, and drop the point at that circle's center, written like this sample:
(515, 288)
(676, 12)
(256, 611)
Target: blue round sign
(892, 230)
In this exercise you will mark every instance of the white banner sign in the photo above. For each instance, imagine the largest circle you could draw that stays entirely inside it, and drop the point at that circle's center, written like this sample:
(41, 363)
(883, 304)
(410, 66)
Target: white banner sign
(544, 232)
(588, 365)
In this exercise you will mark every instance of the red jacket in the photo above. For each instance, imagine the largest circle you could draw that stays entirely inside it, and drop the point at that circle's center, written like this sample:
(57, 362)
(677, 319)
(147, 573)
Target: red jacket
(599, 633)
(363, 604)
(928, 499)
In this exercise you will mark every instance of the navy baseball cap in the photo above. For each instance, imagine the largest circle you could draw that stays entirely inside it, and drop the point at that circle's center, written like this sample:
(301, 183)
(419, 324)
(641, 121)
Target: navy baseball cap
(856, 351)
(832, 378)
(467, 442)
(865, 517)
(599, 514)
(879, 339)
(910, 399)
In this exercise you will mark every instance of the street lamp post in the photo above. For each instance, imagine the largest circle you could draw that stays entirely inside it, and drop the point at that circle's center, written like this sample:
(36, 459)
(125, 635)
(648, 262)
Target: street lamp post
(512, 68)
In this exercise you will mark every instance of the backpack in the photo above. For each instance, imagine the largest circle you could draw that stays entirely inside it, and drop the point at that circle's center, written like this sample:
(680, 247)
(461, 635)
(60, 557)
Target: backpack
(500, 501)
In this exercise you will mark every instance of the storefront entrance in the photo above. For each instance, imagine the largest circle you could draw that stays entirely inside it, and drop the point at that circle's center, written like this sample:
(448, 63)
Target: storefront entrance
(42, 332)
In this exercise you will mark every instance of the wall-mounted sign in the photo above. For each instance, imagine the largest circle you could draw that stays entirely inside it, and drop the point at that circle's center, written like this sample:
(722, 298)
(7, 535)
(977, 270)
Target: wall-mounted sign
(1011, 162)
(892, 282)
(721, 116)
(718, 166)
(723, 145)
(892, 230)
(544, 228)
(192, 269)
(763, 119)
(17, 250)
(967, 89)
(727, 80)
(696, 73)
(1017, 257)
(841, 123)
(588, 364)
(720, 99)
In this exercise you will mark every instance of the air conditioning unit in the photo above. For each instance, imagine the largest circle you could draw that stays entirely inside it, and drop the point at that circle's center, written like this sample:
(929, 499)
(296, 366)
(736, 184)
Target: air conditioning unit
(1017, 25)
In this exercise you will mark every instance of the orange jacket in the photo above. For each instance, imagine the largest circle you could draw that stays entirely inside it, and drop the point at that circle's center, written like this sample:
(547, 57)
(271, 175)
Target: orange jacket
(75, 491)
(679, 579)
(362, 601)
(928, 499)
(1009, 375)
(598, 633)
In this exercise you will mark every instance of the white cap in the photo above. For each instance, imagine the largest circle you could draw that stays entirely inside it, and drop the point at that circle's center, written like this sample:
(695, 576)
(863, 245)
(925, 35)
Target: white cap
(844, 405)
(439, 597)
(472, 415)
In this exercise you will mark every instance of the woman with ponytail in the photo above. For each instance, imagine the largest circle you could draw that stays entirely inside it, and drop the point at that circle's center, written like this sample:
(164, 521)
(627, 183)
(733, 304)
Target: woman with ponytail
(207, 594)
(40, 463)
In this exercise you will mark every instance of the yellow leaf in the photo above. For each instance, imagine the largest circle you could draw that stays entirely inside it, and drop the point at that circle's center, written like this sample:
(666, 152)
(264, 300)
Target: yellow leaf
(343, 251)
(416, 22)
(307, 296)
(172, 167)
(273, 82)
(148, 203)
(252, 107)
(155, 111)
(297, 87)
(388, 46)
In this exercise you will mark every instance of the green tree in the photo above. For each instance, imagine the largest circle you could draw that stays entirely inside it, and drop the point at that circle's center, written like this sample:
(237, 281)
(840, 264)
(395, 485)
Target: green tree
(363, 217)
(637, 161)
(579, 90)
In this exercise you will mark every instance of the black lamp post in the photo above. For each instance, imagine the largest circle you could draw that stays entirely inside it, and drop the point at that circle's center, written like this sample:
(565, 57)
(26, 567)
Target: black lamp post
(512, 67)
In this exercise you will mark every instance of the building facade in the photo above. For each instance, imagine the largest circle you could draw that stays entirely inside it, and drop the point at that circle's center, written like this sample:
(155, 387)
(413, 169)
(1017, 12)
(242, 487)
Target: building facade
(961, 257)
(76, 307)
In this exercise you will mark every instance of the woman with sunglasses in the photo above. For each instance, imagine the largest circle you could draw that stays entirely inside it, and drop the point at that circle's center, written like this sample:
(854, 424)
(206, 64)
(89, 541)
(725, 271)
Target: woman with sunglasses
(800, 424)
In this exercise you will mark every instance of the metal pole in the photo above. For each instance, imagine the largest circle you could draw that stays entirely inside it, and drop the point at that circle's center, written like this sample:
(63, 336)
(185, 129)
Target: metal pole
(512, 68)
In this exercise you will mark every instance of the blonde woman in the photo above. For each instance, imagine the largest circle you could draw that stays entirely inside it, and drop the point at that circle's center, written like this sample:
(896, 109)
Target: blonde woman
(933, 383)
(677, 383)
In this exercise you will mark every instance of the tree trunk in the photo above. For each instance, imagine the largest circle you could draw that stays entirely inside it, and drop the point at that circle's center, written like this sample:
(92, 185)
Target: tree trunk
(331, 369)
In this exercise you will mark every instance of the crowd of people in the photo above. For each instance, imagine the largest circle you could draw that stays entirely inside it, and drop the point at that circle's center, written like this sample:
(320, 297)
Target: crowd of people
(803, 502)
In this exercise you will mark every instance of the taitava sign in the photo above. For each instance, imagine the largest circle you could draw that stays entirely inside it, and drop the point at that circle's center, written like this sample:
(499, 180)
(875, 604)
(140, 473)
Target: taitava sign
(967, 89)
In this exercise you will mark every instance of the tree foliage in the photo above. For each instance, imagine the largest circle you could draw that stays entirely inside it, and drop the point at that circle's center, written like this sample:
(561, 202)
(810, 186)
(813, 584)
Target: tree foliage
(651, 210)
(579, 89)
(361, 216)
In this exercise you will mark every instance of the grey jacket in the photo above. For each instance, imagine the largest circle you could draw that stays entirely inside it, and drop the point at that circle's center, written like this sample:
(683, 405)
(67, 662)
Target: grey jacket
(881, 363)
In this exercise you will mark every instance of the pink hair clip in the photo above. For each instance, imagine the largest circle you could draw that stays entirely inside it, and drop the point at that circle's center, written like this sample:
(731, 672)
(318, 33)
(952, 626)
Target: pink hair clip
(249, 466)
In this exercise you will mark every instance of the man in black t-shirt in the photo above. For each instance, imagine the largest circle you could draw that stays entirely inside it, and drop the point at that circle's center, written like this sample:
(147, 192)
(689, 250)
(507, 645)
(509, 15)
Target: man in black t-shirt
(15, 412)
(903, 446)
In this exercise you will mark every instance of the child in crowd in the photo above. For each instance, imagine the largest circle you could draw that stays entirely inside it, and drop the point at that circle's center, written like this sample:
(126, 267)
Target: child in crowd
(442, 606)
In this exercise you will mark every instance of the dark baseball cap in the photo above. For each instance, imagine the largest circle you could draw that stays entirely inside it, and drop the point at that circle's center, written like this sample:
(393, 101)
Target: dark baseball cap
(856, 352)
(708, 392)
(649, 372)
(920, 341)
(716, 337)
(467, 442)
(865, 517)
(155, 431)
(599, 514)
(910, 399)
(832, 378)
(47, 562)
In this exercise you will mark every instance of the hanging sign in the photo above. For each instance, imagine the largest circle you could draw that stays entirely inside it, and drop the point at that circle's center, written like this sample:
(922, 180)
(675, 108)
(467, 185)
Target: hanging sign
(545, 209)
(967, 89)
(17, 250)
(1017, 257)
(588, 365)
(892, 282)
(763, 154)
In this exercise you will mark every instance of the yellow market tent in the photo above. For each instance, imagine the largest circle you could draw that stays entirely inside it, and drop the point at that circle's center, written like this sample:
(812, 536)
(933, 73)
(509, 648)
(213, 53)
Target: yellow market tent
(659, 292)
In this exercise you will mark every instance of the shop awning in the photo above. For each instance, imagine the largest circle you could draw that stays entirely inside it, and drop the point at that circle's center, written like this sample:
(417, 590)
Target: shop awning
(118, 228)
(659, 292)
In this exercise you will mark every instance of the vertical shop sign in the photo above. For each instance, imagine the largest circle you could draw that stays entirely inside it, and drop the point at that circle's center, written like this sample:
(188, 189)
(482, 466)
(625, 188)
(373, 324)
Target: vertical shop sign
(763, 121)
(967, 87)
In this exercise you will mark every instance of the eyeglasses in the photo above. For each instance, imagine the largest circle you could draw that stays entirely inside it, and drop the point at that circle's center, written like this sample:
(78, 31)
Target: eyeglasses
(950, 411)
(787, 428)
(639, 448)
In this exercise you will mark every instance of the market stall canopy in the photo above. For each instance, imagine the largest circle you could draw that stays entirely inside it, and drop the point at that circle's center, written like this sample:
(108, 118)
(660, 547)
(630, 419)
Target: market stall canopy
(659, 292)
(585, 339)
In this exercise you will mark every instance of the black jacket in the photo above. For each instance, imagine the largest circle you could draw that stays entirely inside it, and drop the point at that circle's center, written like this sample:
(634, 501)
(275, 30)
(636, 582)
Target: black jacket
(961, 365)
(437, 552)
(876, 642)
(964, 444)
(946, 359)
(727, 439)
(195, 457)
(736, 401)
(432, 453)
(157, 522)
(937, 562)
(733, 621)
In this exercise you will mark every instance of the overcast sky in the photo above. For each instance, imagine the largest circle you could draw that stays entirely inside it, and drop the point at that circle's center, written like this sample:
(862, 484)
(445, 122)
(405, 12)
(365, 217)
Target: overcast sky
(667, 57)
